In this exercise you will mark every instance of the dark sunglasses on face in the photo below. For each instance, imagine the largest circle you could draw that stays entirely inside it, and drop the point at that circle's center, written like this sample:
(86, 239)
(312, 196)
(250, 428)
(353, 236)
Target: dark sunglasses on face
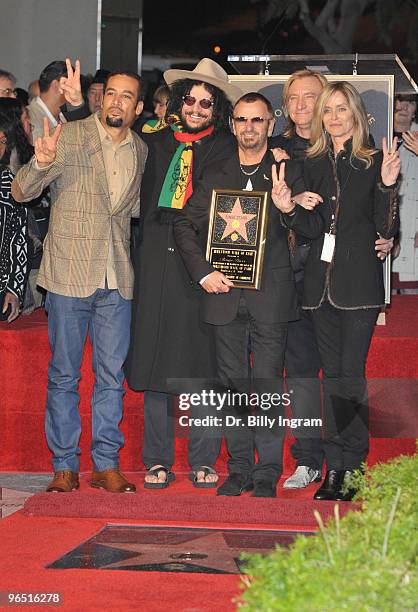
(191, 101)
(253, 120)
(3, 141)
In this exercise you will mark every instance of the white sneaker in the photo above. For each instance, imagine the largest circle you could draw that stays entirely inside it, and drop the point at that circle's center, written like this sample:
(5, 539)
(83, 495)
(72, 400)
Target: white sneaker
(301, 477)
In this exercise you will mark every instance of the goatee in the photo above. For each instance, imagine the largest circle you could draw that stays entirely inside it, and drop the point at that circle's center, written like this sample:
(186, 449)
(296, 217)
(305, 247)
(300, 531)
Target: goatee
(114, 122)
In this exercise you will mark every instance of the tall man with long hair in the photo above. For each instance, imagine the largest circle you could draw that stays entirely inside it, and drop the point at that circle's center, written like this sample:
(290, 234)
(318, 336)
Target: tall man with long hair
(168, 341)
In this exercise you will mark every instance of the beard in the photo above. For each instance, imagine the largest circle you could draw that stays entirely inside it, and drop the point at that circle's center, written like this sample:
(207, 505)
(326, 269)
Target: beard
(115, 122)
(255, 143)
(196, 129)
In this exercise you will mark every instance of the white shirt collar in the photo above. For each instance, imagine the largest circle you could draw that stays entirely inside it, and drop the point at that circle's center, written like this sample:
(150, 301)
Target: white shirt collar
(48, 113)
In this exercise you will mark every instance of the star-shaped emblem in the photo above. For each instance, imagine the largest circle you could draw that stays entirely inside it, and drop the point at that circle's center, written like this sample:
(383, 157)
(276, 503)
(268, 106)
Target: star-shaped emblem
(236, 221)
(207, 552)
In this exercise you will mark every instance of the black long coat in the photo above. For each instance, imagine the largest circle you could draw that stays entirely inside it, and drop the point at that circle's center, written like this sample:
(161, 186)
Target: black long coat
(168, 341)
(354, 278)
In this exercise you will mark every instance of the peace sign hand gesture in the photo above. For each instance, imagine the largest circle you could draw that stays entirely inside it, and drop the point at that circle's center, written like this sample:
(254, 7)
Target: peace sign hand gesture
(281, 194)
(46, 147)
(70, 85)
(391, 163)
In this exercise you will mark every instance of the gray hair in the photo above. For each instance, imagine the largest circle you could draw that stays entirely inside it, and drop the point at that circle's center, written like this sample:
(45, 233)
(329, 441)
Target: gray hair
(4, 74)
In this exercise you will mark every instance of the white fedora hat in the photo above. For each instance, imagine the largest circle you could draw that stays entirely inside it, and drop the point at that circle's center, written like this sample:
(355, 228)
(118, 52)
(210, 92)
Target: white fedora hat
(206, 71)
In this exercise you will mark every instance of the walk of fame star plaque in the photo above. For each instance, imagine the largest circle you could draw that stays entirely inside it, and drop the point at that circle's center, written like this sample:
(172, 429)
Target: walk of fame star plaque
(237, 235)
(172, 549)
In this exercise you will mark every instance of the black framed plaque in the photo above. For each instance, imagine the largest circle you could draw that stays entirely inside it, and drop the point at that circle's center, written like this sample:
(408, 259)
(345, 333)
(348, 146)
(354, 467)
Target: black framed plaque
(237, 235)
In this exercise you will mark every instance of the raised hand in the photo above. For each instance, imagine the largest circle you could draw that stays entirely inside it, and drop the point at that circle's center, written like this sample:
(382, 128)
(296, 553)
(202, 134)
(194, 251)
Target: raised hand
(70, 85)
(410, 140)
(391, 163)
(46, 147)
(281, 194)
(308, 199)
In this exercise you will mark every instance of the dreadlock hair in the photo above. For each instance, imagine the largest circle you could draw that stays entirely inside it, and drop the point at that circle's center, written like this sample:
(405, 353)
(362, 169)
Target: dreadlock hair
(222, 107)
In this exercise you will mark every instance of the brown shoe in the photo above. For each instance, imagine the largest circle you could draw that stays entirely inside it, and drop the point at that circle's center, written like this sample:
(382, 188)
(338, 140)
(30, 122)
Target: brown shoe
(63, 482)
(112, 480)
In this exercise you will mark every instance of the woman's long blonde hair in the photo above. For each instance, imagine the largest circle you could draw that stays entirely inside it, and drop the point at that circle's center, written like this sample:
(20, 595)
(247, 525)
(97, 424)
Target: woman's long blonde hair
(361, 148)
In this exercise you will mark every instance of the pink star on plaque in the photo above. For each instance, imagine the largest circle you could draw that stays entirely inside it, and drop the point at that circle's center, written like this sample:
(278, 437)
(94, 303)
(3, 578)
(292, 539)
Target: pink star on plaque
(236, 221)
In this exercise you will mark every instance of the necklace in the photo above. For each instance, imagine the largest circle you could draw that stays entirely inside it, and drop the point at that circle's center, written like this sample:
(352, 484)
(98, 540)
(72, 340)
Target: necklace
(249, 173)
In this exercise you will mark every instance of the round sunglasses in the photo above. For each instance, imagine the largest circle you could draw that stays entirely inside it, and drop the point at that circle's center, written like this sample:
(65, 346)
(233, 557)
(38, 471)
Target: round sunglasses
(191, 101)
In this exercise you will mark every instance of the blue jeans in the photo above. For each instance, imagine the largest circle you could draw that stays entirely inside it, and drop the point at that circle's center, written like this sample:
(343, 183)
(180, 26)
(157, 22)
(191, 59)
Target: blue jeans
(106, 316)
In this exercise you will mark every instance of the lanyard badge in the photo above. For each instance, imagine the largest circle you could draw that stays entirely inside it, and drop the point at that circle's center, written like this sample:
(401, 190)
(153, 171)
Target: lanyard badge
(329, 243)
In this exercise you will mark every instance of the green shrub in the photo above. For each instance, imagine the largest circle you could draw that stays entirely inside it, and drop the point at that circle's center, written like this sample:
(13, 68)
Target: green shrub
(367, 561)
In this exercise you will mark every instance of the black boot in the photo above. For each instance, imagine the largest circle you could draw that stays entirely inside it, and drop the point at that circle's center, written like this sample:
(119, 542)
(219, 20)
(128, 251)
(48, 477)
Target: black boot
(331, 487)
(351, 491)
(235, 484)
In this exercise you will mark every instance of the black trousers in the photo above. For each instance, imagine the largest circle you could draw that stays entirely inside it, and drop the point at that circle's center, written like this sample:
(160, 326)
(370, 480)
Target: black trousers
(159, 426)
(344, 338)
(267, 345)
(302, 365)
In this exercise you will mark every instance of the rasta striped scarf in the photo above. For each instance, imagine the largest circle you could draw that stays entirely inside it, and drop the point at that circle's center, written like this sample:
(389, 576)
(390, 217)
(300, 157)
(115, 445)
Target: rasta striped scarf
(178, 187)
(154, 125)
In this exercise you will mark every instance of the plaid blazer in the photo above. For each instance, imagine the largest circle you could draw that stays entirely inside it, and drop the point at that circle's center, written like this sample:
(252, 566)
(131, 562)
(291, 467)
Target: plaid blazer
(82, 221)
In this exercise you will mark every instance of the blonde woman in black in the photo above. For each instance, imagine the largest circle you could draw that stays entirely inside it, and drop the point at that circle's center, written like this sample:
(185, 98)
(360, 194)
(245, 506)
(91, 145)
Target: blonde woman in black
(353, 202)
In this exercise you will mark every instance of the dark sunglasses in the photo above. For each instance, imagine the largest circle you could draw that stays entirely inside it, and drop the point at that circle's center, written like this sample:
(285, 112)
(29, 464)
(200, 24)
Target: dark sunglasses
(191, 101)
(254, 120)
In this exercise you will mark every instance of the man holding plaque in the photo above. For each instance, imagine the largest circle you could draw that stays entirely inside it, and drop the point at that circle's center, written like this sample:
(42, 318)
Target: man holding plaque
(244, 318)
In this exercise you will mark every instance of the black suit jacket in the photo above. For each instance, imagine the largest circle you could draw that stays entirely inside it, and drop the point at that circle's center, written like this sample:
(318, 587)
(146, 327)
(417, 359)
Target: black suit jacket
(276, 300)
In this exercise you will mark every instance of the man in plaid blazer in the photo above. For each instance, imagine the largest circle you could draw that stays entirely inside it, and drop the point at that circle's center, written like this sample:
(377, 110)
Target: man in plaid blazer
(94, 169)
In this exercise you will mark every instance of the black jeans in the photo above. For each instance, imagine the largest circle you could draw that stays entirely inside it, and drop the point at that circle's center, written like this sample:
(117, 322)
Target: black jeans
(344, 338)
(267, 345)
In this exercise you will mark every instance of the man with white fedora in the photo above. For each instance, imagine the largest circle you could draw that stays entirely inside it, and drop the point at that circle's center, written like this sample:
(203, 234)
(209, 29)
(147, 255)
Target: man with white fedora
(168, 341)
